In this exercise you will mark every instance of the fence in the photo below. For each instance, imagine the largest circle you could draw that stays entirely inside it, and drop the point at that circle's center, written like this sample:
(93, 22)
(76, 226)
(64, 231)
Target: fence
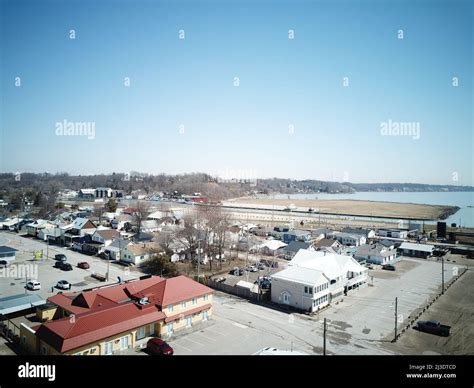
(238, 291)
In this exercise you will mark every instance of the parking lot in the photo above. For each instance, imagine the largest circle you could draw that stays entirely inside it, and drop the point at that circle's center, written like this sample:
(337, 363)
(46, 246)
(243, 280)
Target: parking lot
(361, 323)
(14, 278)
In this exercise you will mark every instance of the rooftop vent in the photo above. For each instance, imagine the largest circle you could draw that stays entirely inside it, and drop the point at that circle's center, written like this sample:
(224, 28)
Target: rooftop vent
(143, 300)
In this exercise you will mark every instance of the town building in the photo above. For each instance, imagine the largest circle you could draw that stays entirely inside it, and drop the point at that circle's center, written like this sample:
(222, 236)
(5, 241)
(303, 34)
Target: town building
(393, 232)
(7, 253)
(367, 233)
(112, 319)
(315, 279)
(138, 253)
(375, 253)
(416, 250)
(350, 239)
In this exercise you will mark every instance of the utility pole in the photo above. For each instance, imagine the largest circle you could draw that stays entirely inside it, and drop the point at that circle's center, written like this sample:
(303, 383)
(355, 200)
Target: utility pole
(199, 255)
(396, 318)
(442, 275)
(324, 337)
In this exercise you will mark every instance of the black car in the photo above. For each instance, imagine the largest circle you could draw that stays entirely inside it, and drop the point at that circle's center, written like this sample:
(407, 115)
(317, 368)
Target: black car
(388, 267)
(63, 266)
(433, 327)
(60, 257)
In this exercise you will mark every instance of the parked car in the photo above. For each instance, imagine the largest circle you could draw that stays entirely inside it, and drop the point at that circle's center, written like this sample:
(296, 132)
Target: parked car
(237, 271)
(63, 266)
(33, 285)
(261, 266)
(252, 268)
(63, 285)
(83, 265)
(60, 257)
(433, 327)
(159, 347)
(388, 267)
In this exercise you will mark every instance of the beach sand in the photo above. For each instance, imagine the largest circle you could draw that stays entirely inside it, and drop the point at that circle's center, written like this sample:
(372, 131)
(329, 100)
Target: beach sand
(353, 207)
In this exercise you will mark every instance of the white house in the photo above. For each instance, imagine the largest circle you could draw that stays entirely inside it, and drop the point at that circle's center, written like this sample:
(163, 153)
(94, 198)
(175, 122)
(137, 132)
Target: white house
(115, 249)
(105, 236)
(393, 232)
(34, 227)
(350, 239)
(82, 226)
(375, 253)
(150, 226)
(138, 253)
(302, 288)
(417, 250)
(367, 233)
(314, 279)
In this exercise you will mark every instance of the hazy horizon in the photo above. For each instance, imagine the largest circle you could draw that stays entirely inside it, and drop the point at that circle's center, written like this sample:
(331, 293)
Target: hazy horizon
(371, 92)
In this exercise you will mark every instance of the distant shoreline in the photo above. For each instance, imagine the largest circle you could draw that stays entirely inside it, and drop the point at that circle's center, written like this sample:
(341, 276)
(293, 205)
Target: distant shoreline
(351, 207)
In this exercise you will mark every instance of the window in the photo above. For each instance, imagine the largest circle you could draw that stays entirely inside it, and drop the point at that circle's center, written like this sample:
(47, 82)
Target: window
(170, 308)
(204, 316)
(169, 328)
(206, 297)
(189, 321)
(108, 348)
(311, 290)
(183, 305)
(44, 350)
(152, 329)
(305, 289)
(140, 333)
(194, 300)
(124, 342)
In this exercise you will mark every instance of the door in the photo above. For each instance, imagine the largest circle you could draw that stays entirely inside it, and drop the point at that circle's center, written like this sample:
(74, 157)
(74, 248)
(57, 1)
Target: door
(189, 321)
(286, 298)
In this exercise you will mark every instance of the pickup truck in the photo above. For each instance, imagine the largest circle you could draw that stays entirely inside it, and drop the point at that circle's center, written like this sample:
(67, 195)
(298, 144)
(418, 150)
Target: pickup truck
(433, 327)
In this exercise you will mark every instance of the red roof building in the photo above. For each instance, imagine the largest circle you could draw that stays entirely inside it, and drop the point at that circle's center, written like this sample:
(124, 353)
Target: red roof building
(109, 319)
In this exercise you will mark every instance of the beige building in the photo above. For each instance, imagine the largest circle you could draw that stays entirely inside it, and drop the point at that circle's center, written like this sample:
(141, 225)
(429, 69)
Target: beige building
(111, 319)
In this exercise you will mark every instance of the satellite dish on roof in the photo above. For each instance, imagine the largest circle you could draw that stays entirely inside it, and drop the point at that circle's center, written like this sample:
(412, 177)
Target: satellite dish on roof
(143, 300)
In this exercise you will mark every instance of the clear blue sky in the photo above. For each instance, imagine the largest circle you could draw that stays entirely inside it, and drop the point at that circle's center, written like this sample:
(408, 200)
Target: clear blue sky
(283, 82)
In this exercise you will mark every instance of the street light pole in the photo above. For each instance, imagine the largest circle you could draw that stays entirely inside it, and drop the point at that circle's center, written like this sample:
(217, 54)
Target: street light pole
(324, 338)
(396, 318)
(442, 275)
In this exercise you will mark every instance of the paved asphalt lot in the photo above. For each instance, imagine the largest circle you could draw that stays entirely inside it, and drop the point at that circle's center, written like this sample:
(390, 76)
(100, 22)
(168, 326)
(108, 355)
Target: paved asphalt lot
(47, 275)
(362, 323)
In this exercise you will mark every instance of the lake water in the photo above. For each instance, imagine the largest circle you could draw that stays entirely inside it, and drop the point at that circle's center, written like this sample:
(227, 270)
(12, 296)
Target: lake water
(464, 216)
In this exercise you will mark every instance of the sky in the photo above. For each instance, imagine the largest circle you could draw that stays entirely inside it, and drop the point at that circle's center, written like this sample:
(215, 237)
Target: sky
(359, 91)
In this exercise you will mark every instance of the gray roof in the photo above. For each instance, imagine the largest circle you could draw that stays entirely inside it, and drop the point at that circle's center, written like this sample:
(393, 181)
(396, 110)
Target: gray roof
(374, 250)
(14, 303)
(417, 247)
(5, 249)
(295, 246)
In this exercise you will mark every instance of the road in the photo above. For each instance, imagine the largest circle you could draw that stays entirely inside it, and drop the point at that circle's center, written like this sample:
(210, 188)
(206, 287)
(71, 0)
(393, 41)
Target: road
(12, 283)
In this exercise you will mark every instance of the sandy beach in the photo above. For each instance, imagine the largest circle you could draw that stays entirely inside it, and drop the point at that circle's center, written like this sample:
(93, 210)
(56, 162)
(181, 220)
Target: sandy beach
(352, 207)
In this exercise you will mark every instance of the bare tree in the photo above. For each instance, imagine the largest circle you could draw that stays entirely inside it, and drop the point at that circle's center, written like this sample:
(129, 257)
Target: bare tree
(189, 234)
(214, 221)
(142, 209)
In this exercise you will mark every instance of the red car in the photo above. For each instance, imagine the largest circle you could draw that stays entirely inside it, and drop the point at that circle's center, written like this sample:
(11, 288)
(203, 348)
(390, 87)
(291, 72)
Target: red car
(83, 265)
(159, 347)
